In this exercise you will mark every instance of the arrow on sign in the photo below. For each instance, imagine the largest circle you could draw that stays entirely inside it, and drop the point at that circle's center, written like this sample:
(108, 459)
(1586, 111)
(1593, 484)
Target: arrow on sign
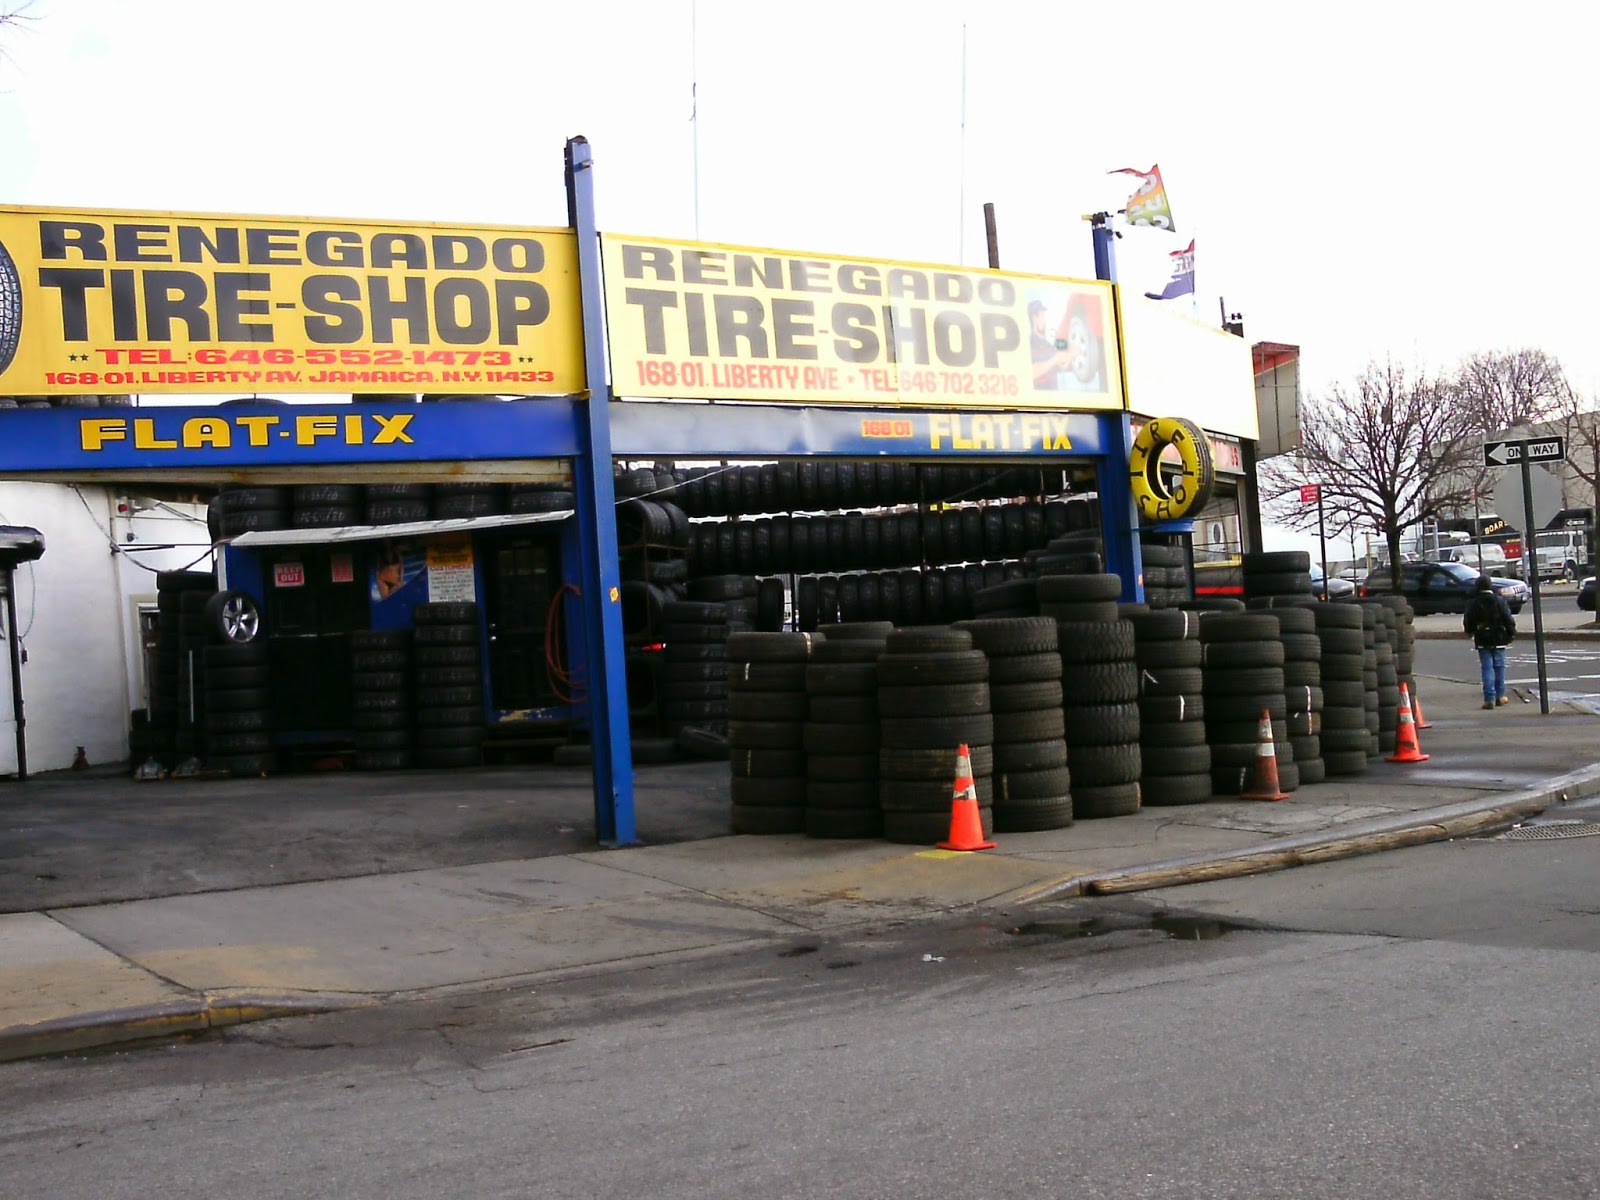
(1498, 454)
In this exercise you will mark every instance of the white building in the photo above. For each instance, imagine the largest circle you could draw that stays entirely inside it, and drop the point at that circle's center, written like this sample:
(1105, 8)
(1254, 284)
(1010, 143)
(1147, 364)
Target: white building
(85, 612)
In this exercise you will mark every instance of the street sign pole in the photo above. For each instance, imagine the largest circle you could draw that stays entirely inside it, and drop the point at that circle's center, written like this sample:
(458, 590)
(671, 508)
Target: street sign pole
(1533, 583)
(1322, 540)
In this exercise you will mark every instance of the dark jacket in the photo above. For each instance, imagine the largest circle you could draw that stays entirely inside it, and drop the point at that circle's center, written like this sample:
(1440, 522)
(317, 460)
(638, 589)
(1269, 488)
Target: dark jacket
(1488, 619)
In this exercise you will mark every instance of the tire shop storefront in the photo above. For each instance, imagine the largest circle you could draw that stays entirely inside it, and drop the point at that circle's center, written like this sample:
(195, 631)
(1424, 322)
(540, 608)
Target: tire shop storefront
(902, 437)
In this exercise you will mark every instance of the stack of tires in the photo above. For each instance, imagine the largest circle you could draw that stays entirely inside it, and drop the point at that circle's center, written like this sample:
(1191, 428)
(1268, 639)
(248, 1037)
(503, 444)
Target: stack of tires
(933, 697)
(841, 735)
(326, 505)
(1032, 786)
(1166, 574)
(383, 699)
(1100, 683)
(738, 594)
(446, 647)
(1344, 739)
(251, 510)
(1386, 637)
(460, 501)
(238, 708)
(694, 667)
(1369, 677)
(1402, 623)
(1172, 730)
(169, 686)
(397, 503)
(1275, 573)
(194, 635)
(767, 707)
(1304, 698)
(652, 536)
(1242, 678)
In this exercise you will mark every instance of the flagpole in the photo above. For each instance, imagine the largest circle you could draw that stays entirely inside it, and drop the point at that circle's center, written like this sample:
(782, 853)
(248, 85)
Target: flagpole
(961, 201)
(694, 103)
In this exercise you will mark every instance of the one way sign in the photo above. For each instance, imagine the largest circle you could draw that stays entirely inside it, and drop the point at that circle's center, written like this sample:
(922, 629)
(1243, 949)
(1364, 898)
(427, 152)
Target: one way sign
(1536, 450)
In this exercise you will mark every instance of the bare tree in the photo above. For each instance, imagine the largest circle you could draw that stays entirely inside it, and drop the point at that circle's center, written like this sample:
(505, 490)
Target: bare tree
(1503, 389)
(1387, 450)
(1581, 424)
(12, 18)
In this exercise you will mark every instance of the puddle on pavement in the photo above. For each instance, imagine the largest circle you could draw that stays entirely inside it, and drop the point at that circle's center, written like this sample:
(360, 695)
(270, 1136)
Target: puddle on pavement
(1178, 928)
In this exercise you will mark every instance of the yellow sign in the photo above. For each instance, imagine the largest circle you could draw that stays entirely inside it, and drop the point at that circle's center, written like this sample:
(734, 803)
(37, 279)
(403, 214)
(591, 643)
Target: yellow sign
(695, 320)
(162, 302)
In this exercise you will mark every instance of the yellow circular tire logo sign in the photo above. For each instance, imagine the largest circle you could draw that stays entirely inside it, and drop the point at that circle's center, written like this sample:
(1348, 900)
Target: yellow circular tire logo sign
(1172, 495)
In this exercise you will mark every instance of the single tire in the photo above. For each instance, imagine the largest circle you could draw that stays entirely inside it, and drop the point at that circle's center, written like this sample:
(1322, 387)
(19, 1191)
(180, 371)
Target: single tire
(767, 764)
(1023, 668)
(1079, 589)
(1101, 683)
(853, 737)
(1103, 766)
(1095, 642)
(1117, 800)
(935, 764)
(1030, 756)
(233, 618)
(1163, 791)
(1101, 725)
(1009, 637)
(922, 670)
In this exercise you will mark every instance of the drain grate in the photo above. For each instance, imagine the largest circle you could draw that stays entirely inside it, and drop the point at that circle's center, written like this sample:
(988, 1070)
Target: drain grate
(1555, 829)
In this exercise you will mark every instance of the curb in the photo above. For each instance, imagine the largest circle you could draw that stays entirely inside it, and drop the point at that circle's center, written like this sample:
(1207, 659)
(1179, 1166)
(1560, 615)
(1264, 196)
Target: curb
(1361, 837)
(174, 1018)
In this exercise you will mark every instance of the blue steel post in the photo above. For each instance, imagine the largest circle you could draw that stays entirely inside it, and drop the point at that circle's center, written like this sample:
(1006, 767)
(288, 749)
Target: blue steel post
(600, 583)
(1119, 517)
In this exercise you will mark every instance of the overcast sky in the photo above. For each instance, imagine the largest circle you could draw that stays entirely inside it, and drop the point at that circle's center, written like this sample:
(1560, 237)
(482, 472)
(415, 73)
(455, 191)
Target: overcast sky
(1402, 179)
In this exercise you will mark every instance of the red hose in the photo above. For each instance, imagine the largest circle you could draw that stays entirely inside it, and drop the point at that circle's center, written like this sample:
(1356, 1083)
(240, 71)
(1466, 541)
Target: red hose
(555, 669)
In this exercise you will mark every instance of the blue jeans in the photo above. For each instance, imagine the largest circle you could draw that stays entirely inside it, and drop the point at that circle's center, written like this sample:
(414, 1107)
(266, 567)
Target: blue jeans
(1492, 664)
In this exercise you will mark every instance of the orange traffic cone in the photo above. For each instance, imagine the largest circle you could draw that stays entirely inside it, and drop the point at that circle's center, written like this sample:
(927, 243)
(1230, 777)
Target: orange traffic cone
(966, 822)
(1416, 710)
(1265, 786)
(1406, 748)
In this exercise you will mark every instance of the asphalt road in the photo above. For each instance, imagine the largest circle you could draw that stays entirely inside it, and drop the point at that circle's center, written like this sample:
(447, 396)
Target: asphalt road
(1416, 1024)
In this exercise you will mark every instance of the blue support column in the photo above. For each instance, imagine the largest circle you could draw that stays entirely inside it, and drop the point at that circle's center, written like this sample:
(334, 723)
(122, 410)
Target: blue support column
(600, 583)
(1119, 516)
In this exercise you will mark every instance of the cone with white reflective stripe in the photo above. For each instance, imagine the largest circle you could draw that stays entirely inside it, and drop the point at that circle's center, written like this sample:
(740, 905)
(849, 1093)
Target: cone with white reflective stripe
(1406, 747)
(966, 822)
(1264, 785)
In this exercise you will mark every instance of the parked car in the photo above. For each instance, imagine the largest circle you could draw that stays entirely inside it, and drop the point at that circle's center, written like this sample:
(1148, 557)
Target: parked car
(1487, 558)
(1338, 589)
(1586, 594)
(1435, 587)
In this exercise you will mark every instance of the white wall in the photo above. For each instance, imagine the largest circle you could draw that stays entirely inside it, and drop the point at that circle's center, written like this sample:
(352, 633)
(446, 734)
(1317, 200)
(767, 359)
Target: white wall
(76, 622)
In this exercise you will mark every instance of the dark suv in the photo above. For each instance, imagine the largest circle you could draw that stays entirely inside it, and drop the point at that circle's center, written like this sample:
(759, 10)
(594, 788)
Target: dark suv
(1435, 587)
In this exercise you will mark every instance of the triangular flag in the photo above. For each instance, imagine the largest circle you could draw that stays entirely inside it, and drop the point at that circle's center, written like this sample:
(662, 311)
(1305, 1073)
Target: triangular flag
(1182, 281)
(1148, 205)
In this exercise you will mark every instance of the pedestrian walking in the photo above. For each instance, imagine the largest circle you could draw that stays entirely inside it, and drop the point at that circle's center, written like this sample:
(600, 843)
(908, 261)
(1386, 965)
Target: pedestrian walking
(1488, 619)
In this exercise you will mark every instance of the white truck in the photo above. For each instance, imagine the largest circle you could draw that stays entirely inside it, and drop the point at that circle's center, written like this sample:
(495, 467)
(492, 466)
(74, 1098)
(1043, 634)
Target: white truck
(1562, 553)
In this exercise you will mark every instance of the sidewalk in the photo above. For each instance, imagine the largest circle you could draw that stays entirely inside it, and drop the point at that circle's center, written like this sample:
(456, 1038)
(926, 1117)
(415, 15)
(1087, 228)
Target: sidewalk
(99, 974)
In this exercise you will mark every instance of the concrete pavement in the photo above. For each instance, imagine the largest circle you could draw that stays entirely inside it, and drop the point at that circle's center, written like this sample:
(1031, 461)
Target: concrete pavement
(96, 974)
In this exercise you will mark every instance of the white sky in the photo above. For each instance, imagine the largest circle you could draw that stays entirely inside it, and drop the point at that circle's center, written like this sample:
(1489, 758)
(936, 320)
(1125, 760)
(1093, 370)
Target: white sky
(1365, 179)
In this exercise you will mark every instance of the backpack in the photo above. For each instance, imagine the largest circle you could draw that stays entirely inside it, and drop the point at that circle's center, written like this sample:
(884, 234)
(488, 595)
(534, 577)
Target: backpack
(1505, 623)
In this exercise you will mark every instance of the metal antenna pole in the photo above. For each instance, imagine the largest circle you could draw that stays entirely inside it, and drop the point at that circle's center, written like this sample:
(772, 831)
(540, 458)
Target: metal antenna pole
(961, 201)
(694, 104)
